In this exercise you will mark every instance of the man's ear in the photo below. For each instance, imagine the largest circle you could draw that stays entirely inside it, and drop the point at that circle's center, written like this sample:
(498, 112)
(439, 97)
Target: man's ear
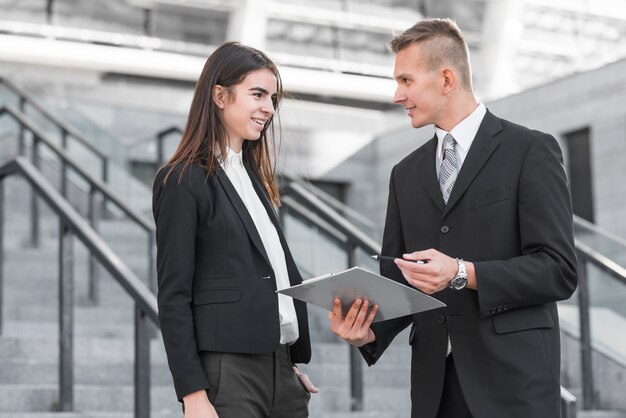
(449, 80)
(219, 95)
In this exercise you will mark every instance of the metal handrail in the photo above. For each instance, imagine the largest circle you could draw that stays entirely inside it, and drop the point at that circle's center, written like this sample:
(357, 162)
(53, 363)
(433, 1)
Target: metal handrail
(150, 138)
(306, 215)
(66, 130)
(73, 224)
(333, 223)
(585, 224)
(331, 201)
(587, 254)
(615, 270)
(341, 207)
(96, 187)
(159, 139)
(328, 214)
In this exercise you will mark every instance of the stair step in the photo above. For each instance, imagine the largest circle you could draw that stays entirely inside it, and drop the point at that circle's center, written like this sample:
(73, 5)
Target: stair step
(319, 414)
(81, 415)
(337, 399)
(43, 397)
(47, 372)
(86, 349)
(360, 414)
(601, 414)
(388, 375)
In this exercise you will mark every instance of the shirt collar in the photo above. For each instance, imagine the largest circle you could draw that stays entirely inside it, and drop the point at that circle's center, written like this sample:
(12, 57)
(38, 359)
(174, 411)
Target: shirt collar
(465, 131)
(234, 158)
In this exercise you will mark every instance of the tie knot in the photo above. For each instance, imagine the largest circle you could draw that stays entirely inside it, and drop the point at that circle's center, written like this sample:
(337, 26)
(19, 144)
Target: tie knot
(449, 142)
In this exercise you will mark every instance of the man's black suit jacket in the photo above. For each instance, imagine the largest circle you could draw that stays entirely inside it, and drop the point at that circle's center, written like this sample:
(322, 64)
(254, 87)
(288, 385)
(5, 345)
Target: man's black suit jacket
(510, 214)
(216, 286)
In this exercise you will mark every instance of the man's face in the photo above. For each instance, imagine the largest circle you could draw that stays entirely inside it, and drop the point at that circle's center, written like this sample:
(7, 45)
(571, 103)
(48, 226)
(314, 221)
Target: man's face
(419, 90)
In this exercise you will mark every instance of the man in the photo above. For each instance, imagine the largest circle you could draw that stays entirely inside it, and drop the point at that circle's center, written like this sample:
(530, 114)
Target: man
(485, 203)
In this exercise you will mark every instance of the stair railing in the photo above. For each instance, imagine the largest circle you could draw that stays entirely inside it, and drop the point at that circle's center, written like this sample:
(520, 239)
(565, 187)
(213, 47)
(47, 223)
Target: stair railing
(96, 188)
(67, 131)
(588, 255)
(158, 139)
(343, 209)
(72, 225)
(301, 202)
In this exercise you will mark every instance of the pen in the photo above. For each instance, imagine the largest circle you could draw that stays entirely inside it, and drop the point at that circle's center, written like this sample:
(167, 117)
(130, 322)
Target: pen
(387, 258)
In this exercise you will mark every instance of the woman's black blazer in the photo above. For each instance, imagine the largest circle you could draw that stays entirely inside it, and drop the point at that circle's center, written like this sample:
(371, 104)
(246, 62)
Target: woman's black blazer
(216, 286)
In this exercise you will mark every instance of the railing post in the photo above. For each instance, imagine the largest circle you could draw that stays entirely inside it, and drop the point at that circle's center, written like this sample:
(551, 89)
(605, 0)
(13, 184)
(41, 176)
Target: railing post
(160, 150)
(585, 334)
(66, 319)
(152, 276)
(568, 404)
(152, 280)
(93, 216)
(64, 164)
(356, 367)
(1, 251)
(148, 21)
(34, 202)
(142, 364)
(22, 146)
(105, 180)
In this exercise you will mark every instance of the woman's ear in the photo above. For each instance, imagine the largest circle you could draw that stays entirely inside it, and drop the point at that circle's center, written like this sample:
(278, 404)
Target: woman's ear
(219, 96)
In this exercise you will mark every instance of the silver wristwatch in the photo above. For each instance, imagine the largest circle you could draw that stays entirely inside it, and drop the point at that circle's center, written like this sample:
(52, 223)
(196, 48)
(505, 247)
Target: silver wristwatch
(459, 281)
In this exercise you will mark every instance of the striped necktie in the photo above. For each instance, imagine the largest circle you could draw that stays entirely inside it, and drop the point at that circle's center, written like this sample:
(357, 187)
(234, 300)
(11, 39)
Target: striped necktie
(447, 177)
(448, 170)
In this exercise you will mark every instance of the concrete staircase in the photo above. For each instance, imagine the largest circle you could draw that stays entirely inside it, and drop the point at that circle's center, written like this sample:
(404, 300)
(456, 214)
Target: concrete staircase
(104, 337)
(103, 345)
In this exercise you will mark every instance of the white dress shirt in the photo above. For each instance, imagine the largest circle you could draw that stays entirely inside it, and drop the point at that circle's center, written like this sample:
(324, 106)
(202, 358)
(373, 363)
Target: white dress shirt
(464, 134)
(238, 176)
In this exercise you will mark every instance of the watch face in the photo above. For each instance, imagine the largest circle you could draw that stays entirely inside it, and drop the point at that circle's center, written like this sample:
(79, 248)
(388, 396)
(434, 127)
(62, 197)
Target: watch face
(458, 283)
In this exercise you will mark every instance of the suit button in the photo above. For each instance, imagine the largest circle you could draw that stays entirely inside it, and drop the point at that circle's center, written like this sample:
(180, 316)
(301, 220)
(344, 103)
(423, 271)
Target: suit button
(493, 310)
(442, 319)
(444, 229)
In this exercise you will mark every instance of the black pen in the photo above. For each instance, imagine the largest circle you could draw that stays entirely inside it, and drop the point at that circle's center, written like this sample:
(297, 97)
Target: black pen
(387, 258)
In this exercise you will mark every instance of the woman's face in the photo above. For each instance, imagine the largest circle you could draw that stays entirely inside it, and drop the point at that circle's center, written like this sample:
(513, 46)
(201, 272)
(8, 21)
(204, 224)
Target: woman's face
(247, 107)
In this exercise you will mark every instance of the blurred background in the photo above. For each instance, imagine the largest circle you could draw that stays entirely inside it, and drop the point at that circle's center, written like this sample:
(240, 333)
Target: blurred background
(93, 97)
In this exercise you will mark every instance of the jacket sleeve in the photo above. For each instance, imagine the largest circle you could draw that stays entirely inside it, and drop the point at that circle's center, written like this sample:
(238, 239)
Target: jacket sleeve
(546, 269)
(175, 213)
(393, 244)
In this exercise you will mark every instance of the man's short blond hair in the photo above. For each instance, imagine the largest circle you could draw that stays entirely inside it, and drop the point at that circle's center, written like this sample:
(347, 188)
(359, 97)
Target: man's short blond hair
(443, 44)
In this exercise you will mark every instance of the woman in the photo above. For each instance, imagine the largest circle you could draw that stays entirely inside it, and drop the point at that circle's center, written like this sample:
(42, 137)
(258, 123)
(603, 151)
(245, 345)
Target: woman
(230, 339)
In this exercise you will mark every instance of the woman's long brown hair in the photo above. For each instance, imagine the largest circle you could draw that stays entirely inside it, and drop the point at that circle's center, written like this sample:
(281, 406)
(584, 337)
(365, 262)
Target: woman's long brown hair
(205, 139)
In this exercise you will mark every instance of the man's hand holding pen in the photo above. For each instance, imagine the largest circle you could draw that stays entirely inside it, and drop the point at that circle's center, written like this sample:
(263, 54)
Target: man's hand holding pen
(355, 326)
(435, 273)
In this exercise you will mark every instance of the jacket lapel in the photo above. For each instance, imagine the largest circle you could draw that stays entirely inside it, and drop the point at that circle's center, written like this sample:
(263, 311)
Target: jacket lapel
(429, 173)
(260, 191)
(242, 211)
(294, 274)
(481, 149)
